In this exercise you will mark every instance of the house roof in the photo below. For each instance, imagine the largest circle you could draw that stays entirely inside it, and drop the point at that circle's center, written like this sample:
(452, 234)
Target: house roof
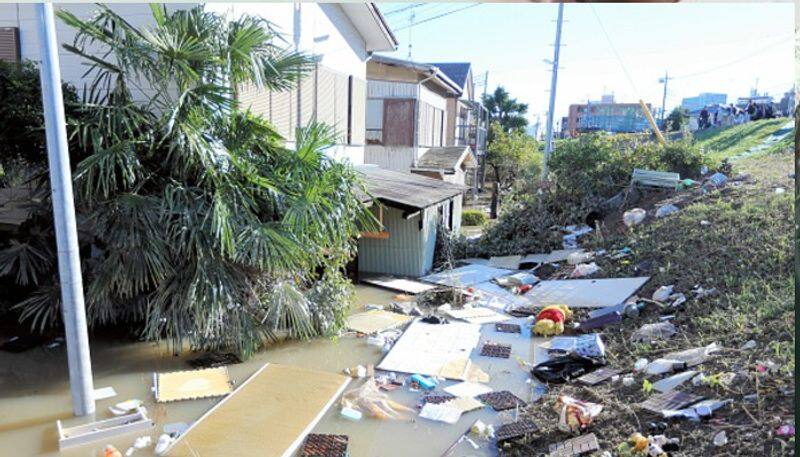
(457, 71)
(423, 68)
(371, 25)
(405, 188)
(446, 158)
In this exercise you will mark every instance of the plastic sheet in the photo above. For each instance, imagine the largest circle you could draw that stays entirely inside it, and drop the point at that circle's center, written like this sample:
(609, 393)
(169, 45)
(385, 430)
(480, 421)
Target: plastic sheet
(369, 399)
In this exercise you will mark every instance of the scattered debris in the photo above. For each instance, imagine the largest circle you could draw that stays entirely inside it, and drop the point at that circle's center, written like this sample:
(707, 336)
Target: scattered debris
(440, 413)
(672, 400)
(467, 389)
(662, 293)
(584, 269)
(666, 210)
(785, 431)
(585, 293)
(502, 351)
(103, 429)
(671, 382)
(575, 446)
(508, 262)
(551, 320)
(103, 393)
(477, 315)
(507, 328)
(565, 368)
(375, 321)
(139, 443)
(214, 360)
(515, 430)
(321, 445)
(633, 217)
(111, 451)
(501, 401)
(575, 415)
(720, 439)
(648, 333)
(163, 444)
(125, 407)
(700, 410)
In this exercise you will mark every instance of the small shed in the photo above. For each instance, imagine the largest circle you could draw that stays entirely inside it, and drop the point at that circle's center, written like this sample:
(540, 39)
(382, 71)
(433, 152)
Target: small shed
(411, 206)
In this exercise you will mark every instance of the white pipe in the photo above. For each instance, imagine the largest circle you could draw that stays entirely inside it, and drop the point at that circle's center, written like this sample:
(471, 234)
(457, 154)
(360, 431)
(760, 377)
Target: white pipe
(548, 146)
(69, 267)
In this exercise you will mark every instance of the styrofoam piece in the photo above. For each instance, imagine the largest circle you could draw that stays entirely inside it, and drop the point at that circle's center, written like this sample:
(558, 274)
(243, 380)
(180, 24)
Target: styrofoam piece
(440, 413)
(467, 389)
(102, 393)
(104, 429)
(478, 315)
(503, 297)
(585, 293)
(466, 276)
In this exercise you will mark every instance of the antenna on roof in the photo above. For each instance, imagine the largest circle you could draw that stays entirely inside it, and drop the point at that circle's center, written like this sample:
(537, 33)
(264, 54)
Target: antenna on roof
(411, 18)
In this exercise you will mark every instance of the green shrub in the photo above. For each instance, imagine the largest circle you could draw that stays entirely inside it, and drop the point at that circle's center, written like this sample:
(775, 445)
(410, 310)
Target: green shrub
(473, 217)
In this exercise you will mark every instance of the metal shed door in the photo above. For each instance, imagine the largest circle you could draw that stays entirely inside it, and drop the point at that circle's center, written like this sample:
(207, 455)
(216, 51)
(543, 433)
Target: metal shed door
(398, 122)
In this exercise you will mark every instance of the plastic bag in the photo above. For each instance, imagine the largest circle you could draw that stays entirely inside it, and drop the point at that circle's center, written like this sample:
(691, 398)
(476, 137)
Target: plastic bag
(634, 217)
(565, 368)
(663, 293)
(369, 399)
(652, 332)
(666, 210)
(575, 415)
(579, 257)
(584, 269)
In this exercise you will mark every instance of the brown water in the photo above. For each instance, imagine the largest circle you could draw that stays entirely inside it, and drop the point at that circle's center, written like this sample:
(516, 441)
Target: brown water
(34, 393)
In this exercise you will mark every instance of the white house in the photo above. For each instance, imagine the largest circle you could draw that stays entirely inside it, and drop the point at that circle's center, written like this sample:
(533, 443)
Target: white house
(409, 125)
(342, 35)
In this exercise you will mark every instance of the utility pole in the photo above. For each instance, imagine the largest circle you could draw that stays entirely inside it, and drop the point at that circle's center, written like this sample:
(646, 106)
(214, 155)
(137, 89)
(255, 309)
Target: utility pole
(69, 266)
(548, 146)
(665, 81)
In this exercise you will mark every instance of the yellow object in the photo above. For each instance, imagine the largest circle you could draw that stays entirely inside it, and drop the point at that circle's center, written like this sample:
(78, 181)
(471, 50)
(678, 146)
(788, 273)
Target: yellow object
(652, 122)
(639, 442)
(550, 320)
(189, 385)
(268, 415)
(547, 327)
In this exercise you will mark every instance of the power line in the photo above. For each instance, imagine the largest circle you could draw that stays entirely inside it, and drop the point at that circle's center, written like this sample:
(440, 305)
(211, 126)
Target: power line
(733, 62)
(439, 16)
(405, 8)
(613, 48)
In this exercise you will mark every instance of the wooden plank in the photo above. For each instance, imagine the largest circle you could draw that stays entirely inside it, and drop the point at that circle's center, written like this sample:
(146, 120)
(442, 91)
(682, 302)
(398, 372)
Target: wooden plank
(398, 122)
(383, 235)
(404, 285)
(271, 413)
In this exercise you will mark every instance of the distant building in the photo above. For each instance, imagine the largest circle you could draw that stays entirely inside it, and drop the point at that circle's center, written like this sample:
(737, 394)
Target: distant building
(704, 99)
(607, 117)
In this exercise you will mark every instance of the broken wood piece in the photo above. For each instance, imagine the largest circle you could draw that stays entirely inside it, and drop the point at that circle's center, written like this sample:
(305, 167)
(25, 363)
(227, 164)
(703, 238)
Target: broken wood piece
(575, 446)
(137, 422)
(191, 385)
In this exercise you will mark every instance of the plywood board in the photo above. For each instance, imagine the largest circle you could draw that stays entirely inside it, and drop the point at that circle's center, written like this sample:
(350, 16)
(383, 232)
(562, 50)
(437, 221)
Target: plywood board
(190, 385)
(585, 293)
(433, 350)
(502, 296)
(271, 412)
(466, 276)
(375, 321)
(408, 286)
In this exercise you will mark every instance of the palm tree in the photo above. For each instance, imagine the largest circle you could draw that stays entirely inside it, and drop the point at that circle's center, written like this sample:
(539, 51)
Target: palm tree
(197, 225)
(505, 111)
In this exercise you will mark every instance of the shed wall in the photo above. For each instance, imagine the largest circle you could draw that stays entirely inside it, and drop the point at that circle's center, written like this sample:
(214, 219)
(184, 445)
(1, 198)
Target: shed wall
(403, 253)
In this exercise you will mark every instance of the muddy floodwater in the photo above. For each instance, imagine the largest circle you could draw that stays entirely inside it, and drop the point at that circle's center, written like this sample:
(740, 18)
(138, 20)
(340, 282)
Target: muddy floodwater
(34, 393)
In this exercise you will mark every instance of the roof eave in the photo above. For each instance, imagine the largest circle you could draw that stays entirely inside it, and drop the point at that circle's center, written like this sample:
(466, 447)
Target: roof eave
(371, 25)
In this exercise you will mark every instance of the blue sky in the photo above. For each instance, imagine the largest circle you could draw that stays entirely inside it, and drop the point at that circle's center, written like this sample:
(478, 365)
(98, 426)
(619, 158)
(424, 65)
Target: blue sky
(707, 47)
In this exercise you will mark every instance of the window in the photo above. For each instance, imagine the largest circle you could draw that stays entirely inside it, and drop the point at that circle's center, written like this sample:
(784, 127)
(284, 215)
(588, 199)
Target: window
(9, 44)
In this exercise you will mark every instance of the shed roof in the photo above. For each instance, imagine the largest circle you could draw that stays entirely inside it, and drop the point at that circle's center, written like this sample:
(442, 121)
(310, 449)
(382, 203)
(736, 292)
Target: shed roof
(457, 71)
(407, 189)
(446, 158)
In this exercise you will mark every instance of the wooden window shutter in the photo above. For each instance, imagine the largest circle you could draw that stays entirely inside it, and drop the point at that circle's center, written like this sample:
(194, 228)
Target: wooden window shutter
(359, 115)
(398, 122)
(9, 44)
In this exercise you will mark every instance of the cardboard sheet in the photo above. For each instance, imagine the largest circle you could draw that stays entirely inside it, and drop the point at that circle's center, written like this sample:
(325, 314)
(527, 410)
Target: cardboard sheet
(189, 385)
(466, 276)
(585, 293)
(434, 350)
(270, 414)
(408, 286)
(375, 321)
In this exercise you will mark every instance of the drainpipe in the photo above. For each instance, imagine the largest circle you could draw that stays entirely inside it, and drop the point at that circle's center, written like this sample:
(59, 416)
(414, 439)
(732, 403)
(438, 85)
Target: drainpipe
(416, 112)
(69, 266)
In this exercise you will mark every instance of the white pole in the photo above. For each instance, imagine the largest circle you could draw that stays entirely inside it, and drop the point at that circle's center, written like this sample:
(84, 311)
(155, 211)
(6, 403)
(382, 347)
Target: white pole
(69, 267)
(548, 146)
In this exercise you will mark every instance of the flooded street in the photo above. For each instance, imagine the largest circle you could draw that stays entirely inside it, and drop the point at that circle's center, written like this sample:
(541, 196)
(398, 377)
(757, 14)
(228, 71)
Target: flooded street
(34, 393)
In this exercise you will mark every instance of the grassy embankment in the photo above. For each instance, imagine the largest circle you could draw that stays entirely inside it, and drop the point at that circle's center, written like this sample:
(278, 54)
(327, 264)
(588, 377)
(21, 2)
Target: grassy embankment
(739, 240)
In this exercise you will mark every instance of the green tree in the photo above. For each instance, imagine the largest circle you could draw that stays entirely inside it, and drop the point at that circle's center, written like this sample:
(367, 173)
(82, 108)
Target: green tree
(677, 119)
(197, 225)
(511, 157)
(505, 111)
